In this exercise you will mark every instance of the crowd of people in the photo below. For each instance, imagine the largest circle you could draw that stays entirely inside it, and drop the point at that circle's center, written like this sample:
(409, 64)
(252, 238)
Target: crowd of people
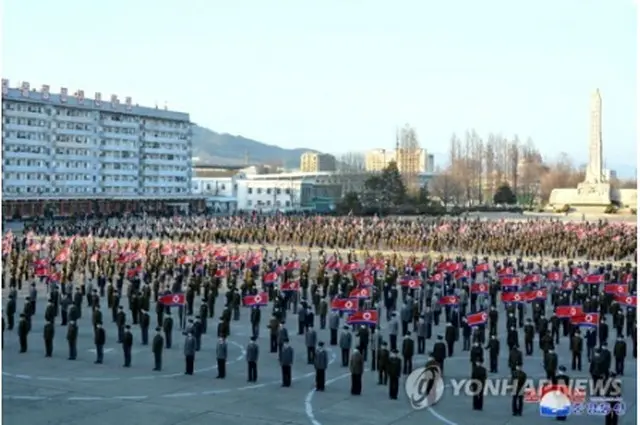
(528, 238)
(139, 264)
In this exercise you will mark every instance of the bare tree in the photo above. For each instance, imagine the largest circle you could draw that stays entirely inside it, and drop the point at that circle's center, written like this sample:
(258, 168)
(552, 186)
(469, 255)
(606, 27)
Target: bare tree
(489, 187)
(445, 187)
(350, 162)
(513, 160)
(562, 173)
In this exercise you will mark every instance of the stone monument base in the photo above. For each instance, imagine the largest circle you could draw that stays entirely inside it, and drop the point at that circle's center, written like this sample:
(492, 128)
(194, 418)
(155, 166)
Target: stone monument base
(587, 194)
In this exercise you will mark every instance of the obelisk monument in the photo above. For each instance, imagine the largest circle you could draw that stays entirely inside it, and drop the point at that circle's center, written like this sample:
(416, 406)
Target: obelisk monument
(594, 172)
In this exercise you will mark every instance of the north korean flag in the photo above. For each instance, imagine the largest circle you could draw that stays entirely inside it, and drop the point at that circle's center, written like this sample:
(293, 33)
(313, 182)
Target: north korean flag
(172, 300)
(568, 285)
(418, 267)
(627, 278)
(510, 281)
(290, 286)
(221, 273)
(260, 299)
(479, 288)
(555, 276)
(410, 283)
(55, 277)
(344, 304)
(512, 297)
(477, 319)
(507, 271)
(616, 289)
(270, 278)
(537, 295)
(568, 311)
(462, 274)
(590, 320)
(366, 317)
(360, 293)
(483, 268)
(131, 273)
(594, 279)
(531, 278)
(449, 300)
(627, 300)
(42, 270)
(437, 278)
(293, 265)
(364, 279)
(350, 267)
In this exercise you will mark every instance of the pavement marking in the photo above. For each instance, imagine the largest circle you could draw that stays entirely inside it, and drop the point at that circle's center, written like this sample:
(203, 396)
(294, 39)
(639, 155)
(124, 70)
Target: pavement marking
(332, 359)
(241, 356)
(105, 351)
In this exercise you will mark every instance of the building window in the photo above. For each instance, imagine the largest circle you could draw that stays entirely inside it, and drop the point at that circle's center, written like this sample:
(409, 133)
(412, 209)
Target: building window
(268, 191)
(250, 190)
(287, 204)
(259, 191)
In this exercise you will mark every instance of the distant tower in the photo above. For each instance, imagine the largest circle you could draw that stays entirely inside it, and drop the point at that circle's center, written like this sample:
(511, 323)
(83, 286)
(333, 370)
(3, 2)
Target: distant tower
(408, 155)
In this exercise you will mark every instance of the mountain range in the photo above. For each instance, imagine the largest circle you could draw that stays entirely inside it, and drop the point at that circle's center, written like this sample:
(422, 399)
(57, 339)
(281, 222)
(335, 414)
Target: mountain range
(226, 149)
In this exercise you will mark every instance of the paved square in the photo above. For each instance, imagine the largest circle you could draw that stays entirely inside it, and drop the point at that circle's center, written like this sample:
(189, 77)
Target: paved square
(39, 390)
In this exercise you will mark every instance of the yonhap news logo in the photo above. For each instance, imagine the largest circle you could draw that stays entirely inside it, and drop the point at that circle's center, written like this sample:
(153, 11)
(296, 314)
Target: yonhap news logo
(424, 387)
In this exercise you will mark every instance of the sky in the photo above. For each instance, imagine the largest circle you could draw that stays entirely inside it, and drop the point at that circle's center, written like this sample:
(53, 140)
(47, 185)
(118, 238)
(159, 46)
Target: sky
(341, 76)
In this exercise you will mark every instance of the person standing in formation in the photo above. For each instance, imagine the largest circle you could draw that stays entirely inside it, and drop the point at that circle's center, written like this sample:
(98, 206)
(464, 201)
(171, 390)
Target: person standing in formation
(286, 358)
(189, 353)
(356, 367)
(157, 346)
(321, 363)
(253, 353)
(221, 355)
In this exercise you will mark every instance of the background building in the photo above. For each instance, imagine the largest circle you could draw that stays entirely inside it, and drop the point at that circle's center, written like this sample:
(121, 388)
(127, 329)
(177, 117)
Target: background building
(377, 160)
(312, 162)
(74, 152)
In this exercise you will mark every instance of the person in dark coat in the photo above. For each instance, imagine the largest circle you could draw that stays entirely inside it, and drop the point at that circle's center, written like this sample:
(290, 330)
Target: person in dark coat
(127, 345)
(253, 353)
(517, 400)
(157, 346)
(286, 357)
(190, 348)
(440, 352)
(99, 339)
(321, 362)
(346, 341)
(479, 377)
(394, 370)
(561, 379)
(408, 351)
(221, 355)
(49, 332)
(356, 367)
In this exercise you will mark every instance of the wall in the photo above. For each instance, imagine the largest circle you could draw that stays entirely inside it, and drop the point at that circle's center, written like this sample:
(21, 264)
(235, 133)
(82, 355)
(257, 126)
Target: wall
(269, 194)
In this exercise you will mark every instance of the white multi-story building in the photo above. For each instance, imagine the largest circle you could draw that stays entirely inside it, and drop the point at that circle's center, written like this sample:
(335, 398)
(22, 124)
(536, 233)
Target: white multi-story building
(63, 146)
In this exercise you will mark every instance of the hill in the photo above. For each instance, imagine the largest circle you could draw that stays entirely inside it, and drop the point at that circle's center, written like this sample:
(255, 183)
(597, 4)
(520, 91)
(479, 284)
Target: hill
(227, 149)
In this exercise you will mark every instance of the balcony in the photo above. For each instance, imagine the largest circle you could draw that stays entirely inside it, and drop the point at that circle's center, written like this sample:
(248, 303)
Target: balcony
(173, 184)
(25, 155)
(164, 151)
(118, 148)
(73, 157)
(168, 128)
(111, 159)
(72, 145)
(164, 173)
(73, 132)
(24, 142)
(119, 136)
(74, 119)
(25, 114)
(63, 169)
(25, 128)
(156, 161)
(14, 182)
(112, 183)
(74, 183)
(121, 124)
(175, 140)
(26, 168)
(120, 172)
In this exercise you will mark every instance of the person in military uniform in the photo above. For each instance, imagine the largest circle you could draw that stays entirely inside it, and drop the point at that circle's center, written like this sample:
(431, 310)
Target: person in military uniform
(311, 340)
(253, 353)
(99, 339)
(550, 363)
(494, 351)
(72, 339)
(286, 357)
(157, 345)
(576, 351)
(345, 345)
(408, 351)
(321, 362)
(394, 372)
(517, 400)
(127, 345)
(189, 353)
(440, 352)
(121, 319)
(529, 333)
(356, 367)
(49, 332)
(334, 324)
(620, 354)
(274, 326)
(450, 337)
(167, 327)
(221, 357)
(479, 379)
(383, 363)
(145, 322)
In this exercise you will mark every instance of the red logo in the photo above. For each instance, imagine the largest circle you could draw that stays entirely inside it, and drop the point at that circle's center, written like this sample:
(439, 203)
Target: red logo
(257, 299)
(366, 316)
(482, 288)
(364, 293)
(348, 304)
(572, 312)
(539, 294)
(484, 317)
(516, 297)
(176, 299)
(588, 318)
